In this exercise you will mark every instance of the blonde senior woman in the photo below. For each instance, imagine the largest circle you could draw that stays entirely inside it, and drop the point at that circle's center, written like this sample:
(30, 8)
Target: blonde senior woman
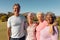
(50, 32)
(42, 24)
(31, 27)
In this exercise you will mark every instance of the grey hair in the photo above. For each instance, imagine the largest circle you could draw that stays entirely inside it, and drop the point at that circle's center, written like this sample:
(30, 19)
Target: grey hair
(17, 4)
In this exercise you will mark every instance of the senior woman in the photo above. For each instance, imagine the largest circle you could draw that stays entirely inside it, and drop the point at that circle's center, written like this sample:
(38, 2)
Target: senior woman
(31, 27)
(50, 32)
(42, 24)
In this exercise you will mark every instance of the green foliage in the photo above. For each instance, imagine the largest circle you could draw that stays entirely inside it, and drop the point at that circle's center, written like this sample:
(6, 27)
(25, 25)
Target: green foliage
(4, 18)
(35, 18)
(58, 20)
(9, 14)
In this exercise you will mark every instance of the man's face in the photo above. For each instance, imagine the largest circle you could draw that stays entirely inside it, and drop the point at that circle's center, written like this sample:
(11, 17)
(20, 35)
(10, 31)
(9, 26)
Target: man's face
(16, 10)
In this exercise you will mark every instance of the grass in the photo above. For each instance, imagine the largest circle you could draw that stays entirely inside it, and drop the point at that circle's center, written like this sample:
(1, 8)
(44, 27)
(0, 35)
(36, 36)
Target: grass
(3, 31)
(59, 32)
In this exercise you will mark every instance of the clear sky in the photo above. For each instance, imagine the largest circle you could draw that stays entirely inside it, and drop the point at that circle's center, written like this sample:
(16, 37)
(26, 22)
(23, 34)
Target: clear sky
(31, 6)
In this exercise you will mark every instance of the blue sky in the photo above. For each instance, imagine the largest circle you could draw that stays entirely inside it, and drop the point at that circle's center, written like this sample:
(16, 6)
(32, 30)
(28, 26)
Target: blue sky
(31, 6)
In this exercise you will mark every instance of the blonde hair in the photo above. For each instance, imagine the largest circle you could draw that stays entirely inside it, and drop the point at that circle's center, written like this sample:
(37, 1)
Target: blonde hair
(30, 13)
(39, 13)
(52, 30)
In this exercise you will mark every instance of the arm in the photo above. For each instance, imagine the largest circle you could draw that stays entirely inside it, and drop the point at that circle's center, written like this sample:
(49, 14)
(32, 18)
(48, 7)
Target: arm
(8, 31)
(55, 23)
(25, 27)
(9, 28)
(55, 33)
(52, 27)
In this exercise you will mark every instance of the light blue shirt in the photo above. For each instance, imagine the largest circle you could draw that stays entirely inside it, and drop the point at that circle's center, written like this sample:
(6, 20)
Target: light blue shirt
(17, 26)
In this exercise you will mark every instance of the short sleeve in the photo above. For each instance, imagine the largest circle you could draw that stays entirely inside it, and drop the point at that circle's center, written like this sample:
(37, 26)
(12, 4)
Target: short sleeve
(25, 23)
(9, 23)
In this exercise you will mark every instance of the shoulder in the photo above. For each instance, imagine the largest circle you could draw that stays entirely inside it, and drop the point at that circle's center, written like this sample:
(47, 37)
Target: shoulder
(10, 17)
(44, 21)
(22, 16)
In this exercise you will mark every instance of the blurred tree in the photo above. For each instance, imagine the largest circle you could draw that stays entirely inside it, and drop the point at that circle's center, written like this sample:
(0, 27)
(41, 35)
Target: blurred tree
(9, 14)
(4, 18)
(58, 20)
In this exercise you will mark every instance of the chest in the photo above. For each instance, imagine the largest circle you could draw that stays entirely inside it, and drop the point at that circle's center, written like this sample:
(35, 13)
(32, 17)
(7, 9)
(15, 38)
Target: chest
(31, 28)
(17, 21)
(45, 32)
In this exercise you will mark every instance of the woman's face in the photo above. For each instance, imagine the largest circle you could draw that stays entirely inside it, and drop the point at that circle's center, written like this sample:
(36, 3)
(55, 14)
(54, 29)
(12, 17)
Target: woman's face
(40, 17)
(30, 17)
(49, 18)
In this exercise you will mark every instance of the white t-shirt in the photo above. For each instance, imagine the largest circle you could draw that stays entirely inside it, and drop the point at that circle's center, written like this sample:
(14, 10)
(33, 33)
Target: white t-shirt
(17, 26)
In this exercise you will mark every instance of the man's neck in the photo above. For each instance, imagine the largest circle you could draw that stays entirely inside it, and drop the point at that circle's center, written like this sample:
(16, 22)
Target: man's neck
(16, 15)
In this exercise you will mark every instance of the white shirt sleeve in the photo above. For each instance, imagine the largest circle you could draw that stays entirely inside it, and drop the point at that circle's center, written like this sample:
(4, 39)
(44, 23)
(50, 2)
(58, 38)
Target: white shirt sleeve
(25, 23)
(9, 23)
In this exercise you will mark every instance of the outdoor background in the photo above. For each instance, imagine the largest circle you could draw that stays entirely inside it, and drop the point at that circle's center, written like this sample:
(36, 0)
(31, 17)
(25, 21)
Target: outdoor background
(3, 24)
(34, 6)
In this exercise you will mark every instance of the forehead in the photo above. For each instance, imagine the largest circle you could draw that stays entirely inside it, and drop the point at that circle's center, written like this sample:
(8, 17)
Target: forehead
(40, 15)
(16, 6)
(49, 16)
(30, 15)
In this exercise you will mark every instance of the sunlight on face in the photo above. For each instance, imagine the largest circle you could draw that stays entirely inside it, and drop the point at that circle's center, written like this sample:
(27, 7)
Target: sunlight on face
(40, 16)
(30, 16)
(49, 18)
(16, 10)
